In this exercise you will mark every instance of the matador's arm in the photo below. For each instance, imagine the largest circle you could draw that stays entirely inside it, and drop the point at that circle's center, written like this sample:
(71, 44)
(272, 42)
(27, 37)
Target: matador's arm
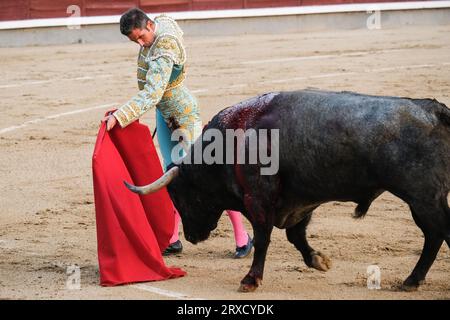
(157, 78)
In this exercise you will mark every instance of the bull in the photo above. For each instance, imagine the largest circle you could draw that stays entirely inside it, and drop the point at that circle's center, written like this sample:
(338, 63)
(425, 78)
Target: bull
(333, 146)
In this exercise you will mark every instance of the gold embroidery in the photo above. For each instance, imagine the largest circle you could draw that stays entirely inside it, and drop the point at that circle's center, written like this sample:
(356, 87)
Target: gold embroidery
(142, 64)
(168, 94)
(128, 113)
(157, 77)
(141, 74)
(175, 83)
(170, 23)
(187, 110)
(121, 118)
(159, 92)
(135, 107)
(166, 43)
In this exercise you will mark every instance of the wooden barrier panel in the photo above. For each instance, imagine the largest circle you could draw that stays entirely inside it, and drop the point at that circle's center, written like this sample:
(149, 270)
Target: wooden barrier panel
(51, 9)
(107, 7)
(14, 10)
(35, 9)
(216, 4)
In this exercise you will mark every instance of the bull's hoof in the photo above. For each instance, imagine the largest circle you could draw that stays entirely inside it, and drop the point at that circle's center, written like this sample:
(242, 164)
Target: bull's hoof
(247, 288)
(249, 284)
(320, 261)
(411, 285)
(408, 288)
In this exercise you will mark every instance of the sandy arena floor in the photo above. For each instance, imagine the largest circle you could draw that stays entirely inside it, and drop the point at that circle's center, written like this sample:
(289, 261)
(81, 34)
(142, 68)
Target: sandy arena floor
(52, 100)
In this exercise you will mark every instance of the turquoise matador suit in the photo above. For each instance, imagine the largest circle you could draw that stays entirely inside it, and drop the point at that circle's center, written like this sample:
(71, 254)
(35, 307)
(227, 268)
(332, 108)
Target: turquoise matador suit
(160, 75)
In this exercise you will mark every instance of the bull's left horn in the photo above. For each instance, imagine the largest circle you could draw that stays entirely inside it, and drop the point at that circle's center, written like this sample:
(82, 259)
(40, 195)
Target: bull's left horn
(156, 185)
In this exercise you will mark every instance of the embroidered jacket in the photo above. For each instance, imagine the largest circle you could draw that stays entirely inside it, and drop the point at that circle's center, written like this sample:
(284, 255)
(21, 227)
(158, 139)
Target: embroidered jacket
(160, 77)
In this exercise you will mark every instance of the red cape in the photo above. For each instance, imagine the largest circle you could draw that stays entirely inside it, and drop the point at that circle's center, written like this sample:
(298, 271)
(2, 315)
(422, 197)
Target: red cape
(132, 230)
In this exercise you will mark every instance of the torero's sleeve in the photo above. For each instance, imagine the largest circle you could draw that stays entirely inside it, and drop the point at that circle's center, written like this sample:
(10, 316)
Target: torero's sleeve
(157, 78)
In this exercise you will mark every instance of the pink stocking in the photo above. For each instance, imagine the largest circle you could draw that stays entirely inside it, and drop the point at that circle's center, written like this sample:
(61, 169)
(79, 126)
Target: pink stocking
(176, 227)
(240, 235)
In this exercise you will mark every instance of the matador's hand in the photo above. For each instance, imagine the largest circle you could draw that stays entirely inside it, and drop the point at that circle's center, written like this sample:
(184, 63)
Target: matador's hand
(110, 121)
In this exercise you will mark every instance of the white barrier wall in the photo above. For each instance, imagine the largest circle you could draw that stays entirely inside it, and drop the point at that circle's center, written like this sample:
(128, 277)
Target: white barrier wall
(233, 22)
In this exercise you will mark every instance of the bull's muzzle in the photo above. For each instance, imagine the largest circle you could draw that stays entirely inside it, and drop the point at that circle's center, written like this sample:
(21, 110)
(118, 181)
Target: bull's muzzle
(196, 237)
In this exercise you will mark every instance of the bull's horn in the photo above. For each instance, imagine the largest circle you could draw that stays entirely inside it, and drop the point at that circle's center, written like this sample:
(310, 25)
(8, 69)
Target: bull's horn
(156, 185)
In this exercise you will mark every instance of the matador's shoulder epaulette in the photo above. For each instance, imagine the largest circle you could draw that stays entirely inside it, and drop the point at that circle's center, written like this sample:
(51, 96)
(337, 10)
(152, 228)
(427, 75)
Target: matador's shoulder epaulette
(169, 41)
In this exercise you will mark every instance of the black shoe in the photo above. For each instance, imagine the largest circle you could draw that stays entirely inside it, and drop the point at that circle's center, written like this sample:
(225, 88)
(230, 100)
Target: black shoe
(173, 248)
(242, 252)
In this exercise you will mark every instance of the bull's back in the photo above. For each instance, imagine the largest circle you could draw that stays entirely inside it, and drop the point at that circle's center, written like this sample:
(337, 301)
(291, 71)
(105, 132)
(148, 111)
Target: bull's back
(342, 144)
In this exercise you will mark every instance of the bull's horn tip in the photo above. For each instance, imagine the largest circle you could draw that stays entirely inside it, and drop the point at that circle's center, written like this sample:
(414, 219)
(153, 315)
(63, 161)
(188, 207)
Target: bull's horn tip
(129, 186)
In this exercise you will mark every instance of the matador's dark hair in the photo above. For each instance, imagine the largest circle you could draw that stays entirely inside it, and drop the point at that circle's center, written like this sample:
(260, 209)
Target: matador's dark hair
(132, 19)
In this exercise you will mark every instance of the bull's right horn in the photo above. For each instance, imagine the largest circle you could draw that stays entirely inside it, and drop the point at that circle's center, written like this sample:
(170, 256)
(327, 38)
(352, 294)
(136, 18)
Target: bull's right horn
(156, 185)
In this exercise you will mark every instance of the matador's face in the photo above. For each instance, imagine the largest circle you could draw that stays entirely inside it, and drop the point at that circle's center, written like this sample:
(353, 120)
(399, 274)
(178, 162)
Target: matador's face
(144, 37)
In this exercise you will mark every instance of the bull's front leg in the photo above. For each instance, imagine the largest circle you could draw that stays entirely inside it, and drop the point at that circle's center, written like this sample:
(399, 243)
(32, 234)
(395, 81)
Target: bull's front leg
(262, 223)
(261, 243)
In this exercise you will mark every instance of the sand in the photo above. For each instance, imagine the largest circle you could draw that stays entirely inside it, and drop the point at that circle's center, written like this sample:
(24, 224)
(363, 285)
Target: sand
(47, 214)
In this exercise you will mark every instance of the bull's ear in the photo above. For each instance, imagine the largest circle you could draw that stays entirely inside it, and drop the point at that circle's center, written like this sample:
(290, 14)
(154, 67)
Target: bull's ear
(162, 182)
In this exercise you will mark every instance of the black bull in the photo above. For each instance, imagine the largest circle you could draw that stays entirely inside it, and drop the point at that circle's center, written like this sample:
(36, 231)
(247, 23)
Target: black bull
(333, 147)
